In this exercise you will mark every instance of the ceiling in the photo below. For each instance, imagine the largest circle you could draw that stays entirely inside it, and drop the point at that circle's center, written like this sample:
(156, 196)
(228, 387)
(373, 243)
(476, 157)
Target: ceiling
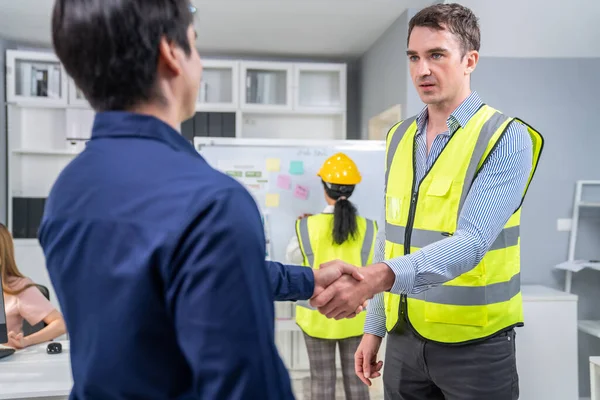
(324, 28)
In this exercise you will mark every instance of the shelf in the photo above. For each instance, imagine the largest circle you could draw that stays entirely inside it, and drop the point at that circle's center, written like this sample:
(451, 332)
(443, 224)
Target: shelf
(590, 327)
(578, 265)
(26, 242)
(65, 152)
(296, 112)
(588, 204)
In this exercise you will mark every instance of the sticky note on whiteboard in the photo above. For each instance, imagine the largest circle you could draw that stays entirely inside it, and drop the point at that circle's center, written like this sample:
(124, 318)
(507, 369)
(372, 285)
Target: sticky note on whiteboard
(296, 167)
(284, 182)
(273, 164)
(272, 200)
(301, 192)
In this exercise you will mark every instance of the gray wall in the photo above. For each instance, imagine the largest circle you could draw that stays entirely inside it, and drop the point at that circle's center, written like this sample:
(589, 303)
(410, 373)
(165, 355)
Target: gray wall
(384, 69)
(555, 96)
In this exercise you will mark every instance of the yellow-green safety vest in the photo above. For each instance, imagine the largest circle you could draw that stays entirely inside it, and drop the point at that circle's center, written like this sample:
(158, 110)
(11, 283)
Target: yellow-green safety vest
(485, 299)
(317, 247)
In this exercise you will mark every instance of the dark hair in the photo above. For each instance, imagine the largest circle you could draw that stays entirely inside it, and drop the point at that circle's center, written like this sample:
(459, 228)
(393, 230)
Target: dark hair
(344, 212)
(457, 18)
(110, 47)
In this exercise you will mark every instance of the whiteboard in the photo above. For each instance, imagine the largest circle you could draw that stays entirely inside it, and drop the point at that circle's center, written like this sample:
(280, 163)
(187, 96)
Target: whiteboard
(286, 164)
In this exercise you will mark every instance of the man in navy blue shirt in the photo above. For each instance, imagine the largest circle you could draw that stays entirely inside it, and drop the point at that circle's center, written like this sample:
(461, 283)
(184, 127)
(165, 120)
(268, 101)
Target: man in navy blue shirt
(157, 259)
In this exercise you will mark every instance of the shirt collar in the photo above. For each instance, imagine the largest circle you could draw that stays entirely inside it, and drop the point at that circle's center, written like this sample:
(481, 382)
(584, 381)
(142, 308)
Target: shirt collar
(458, 118)
(328, 209)
(121, 124)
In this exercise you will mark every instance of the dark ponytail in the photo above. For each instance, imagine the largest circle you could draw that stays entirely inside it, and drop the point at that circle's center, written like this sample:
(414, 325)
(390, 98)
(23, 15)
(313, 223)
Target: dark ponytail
(344, 212)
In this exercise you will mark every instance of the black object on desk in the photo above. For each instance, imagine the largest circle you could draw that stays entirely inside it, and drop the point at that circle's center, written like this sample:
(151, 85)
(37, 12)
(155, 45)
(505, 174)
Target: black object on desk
(54, 348)
(6, 351)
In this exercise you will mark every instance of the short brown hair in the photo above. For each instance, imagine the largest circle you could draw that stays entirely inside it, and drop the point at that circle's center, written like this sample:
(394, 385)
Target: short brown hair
(458, 19)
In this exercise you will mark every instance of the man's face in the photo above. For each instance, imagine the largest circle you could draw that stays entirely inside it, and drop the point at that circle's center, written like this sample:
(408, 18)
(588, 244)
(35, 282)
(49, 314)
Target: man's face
(437, 66)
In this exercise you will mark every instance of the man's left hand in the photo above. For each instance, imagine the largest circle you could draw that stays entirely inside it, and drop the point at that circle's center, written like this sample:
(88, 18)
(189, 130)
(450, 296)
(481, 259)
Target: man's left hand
(332, 272)
(342, 297)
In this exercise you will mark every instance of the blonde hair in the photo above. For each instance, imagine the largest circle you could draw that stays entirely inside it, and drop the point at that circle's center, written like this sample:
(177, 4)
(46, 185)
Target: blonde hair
(8, 266)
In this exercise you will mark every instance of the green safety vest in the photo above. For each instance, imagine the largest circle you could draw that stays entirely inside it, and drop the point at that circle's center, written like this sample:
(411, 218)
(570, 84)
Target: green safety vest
(485, 299)
(316, 243)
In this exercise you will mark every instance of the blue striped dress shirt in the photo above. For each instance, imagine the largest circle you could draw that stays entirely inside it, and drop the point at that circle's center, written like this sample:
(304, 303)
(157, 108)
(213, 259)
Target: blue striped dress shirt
(495, 194)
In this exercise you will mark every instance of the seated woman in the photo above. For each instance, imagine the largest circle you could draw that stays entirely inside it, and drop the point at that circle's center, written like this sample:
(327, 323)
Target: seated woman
(24, 301)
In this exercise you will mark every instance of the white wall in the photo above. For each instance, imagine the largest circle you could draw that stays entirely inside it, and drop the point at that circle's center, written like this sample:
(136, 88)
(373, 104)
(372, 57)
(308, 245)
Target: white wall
(537, 28)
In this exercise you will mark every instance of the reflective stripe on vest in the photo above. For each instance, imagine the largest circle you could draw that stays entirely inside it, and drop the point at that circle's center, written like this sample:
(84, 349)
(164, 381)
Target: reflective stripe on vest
(472, 295)
(421, 237)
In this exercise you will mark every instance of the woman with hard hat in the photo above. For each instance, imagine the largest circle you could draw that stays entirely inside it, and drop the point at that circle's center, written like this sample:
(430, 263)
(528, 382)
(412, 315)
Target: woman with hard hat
(337, 233)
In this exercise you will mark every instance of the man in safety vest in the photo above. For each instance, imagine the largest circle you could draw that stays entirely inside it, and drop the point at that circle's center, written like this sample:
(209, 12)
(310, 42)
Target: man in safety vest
(446, 278)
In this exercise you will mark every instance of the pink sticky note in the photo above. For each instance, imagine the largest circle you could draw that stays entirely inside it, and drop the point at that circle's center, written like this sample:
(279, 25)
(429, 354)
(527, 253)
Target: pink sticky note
(301, 192)
(284, 181)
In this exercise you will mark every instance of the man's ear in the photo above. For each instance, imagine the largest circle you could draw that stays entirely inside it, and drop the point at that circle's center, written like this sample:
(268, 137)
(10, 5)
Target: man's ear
(472, 60)
(167, 56)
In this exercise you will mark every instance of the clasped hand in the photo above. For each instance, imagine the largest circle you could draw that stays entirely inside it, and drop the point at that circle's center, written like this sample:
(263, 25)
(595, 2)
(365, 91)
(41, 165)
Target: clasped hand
(340, 290)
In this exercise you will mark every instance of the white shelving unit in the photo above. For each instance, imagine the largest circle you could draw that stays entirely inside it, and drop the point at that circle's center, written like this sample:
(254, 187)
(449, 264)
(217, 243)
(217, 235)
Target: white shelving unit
(573, 265)
(260, 99)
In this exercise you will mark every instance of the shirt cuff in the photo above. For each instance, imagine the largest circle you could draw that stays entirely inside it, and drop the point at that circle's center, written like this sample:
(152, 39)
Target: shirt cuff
(375, 324)
(303, 282)
(405, 273)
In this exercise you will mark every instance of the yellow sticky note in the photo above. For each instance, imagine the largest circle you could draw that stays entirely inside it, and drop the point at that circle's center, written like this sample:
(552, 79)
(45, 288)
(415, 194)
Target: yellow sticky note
(272, 200)
(273, 164)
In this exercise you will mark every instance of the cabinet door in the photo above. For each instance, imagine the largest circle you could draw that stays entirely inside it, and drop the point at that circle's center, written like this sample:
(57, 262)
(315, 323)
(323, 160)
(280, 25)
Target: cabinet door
(35, 78)
(266, 86)
(76, 98)
(320, 87)
(219, 86)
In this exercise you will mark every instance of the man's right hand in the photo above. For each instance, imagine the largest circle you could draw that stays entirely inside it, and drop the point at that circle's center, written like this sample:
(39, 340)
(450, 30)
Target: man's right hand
(366, 365)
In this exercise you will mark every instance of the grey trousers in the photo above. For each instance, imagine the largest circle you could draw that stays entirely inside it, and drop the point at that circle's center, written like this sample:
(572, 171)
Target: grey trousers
(321, 355)
(418, 370)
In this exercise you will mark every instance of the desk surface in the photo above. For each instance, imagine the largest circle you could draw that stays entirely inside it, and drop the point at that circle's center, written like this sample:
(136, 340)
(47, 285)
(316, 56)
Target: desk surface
(544, 293)
(31, 373)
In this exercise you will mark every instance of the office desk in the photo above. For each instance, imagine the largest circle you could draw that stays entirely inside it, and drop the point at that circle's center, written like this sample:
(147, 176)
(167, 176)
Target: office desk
(595, 378)
(31, 373)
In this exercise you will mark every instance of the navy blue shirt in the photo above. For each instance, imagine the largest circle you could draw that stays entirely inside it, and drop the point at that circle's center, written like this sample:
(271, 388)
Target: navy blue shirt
(158, 262)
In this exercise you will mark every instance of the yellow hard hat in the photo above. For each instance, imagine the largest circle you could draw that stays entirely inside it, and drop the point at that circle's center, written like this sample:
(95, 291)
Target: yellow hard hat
(339, 169)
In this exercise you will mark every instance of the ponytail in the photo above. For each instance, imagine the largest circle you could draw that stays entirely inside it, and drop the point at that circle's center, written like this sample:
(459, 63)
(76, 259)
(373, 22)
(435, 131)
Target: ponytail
(344, 212)
(344, 220)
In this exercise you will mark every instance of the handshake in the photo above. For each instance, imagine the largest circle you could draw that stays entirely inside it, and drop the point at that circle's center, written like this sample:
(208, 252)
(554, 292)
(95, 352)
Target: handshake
(342, 290)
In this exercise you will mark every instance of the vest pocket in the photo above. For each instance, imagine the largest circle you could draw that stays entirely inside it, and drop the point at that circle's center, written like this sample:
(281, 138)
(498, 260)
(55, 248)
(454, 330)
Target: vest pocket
(439, 187)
